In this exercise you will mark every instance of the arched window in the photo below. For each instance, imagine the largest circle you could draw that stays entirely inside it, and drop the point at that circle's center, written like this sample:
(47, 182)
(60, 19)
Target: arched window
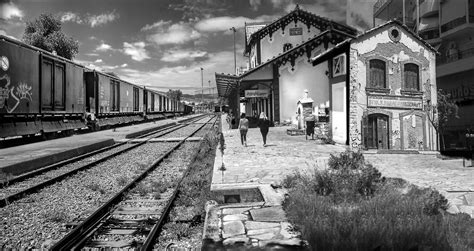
(411, 76)
(287, 47)
(377, 74)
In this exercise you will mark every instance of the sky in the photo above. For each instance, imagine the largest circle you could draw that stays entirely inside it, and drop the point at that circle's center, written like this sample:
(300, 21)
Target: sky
(164, 43)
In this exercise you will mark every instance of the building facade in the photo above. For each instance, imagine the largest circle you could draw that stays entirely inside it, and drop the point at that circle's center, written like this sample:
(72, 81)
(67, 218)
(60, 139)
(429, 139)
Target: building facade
(448, 25)
(366, 91)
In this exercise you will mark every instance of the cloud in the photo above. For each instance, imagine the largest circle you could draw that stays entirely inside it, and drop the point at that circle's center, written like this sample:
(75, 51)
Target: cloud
(71, 17)
(101, 19)
(103, 47)
(158, 24)
(254, 4)
(183, 55)
(331, 9)
(136, 50)
(92, 20)
(178, 33)
(98, 61)
(124, 65)
(186, 77)
(224, 23)
(10, 11)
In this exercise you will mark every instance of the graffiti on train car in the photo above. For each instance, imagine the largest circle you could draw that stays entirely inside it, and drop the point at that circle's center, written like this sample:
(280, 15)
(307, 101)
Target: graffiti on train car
(11, 96)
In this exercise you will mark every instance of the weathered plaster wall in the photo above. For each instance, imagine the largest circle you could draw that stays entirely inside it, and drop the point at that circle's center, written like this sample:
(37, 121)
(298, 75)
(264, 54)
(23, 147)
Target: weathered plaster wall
(273, 46)
(294, 82)
(380, 46)
(339, 112)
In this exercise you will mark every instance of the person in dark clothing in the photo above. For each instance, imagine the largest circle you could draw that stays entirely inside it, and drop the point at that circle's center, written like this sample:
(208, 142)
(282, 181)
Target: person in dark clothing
(264, 124)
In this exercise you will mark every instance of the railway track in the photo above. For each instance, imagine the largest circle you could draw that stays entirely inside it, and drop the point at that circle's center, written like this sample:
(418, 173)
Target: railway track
(133, 217)
(42, 218)
(31, 182)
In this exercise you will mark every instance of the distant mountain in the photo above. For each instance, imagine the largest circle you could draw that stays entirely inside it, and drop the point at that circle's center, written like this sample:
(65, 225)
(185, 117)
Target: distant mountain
(197, 97)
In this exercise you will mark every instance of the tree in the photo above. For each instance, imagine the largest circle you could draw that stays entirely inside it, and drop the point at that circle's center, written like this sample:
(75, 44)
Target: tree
(45, 33)
(441, 113)
(175, 94)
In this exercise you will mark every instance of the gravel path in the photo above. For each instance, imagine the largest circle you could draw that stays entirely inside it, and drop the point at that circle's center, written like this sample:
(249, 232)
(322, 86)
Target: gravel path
(153, 191)
(41, 218)
(17, 187)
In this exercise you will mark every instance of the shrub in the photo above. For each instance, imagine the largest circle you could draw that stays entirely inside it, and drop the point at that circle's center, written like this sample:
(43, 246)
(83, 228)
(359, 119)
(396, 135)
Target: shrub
(142, 189)
(56, 216)
(95, 187)
(347, 160)
(122, 181)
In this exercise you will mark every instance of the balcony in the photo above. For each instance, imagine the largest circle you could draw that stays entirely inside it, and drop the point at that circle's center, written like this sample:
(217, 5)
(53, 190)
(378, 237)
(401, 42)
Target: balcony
(453, 24)
(431, 36)
(458, 62)
(429, 8)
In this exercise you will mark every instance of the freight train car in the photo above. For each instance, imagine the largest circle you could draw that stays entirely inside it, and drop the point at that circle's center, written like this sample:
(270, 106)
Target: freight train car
(39, 92)
(42, 93)
(112, 101)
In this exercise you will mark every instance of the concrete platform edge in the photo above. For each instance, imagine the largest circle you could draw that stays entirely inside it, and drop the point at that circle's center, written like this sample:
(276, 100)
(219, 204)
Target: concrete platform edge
(22, 167)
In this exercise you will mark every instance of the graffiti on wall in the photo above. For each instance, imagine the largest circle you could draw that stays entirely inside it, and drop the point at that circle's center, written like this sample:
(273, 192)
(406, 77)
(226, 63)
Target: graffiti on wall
(11, 96)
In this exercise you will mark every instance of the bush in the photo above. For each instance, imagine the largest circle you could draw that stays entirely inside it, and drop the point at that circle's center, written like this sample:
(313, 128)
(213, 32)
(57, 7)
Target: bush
(351, 207)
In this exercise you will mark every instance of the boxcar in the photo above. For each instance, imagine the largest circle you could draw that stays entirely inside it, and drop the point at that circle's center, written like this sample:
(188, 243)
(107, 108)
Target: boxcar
(113, 101)
(39, 92)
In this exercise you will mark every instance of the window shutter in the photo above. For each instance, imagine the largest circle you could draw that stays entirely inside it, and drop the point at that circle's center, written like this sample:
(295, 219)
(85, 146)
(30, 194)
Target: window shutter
(365, 129)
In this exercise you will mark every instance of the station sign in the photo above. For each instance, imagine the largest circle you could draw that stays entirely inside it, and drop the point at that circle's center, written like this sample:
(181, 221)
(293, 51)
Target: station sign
(264, 93)
(397, 102)
(296, 31)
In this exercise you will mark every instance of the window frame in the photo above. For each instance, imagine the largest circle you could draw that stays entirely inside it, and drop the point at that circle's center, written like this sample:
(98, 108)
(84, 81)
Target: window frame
(342, 63)
(368, 86)
(403, 77)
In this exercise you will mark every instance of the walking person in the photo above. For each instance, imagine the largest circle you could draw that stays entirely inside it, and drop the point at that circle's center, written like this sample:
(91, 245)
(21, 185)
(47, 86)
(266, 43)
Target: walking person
(243, 127)
(264, 124)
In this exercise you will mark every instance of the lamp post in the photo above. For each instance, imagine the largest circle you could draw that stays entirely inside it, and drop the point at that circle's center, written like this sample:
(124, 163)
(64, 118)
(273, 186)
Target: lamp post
(235, 61)
(202, 90)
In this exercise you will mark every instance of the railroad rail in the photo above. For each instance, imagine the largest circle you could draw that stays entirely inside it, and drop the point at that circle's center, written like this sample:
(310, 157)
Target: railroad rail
(79, 236)
(44, 183)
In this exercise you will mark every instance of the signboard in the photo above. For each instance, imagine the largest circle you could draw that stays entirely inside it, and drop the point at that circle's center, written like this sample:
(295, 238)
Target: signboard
(296, 31)
(463, 92)
(264, 93)
(395, 102)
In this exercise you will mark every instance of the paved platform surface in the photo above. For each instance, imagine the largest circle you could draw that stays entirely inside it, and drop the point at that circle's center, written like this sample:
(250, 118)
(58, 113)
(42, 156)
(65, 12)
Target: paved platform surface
(24, 158)
(285, 154)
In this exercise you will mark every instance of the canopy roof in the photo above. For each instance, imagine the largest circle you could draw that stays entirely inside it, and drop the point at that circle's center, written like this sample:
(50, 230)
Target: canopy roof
(225, 83)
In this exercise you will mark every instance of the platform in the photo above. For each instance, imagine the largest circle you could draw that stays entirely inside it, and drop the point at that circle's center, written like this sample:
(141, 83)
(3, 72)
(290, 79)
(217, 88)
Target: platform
(241, 170)
(25, 158)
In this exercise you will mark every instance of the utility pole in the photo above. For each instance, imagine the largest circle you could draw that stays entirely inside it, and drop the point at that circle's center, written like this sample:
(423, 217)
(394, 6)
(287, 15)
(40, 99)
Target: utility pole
(202, 89)
(235, 61)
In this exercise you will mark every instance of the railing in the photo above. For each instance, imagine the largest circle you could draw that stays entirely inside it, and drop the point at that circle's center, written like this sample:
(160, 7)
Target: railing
(455, 57)
(430, 34)
(453, 24)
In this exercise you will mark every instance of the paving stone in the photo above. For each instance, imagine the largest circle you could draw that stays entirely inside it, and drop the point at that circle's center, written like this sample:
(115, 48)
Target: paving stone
(235, 217)
(237, 210)
(274, 214)
(469, 198)
(236, 239)
(265, 236)
(232, 228)
(290, 242)
(258, 224)
(263, 231)
(467, 209)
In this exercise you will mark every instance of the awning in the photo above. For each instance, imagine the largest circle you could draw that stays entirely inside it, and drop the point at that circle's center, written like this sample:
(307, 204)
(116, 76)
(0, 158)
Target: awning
(225, 83)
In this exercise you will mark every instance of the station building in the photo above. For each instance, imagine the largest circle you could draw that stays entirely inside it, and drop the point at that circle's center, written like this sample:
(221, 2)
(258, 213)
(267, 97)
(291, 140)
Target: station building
(366, 90)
